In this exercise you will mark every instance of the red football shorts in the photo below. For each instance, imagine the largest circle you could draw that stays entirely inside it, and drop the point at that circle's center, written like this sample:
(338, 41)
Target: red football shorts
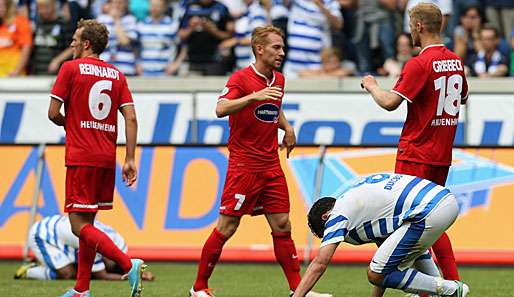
(89, 189)
(434, 173)
(254, 193)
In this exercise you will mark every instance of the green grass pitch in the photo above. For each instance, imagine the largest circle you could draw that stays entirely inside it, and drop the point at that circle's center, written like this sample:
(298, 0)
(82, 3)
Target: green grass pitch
(238, 280)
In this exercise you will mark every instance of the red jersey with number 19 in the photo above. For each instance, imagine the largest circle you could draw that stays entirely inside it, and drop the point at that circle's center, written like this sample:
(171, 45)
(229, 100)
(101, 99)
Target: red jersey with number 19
(92, 92)
(253, 140)
(434, 84)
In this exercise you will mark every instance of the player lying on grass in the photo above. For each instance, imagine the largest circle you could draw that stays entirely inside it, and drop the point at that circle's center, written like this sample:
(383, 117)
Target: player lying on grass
(55, 248)
(403, 214)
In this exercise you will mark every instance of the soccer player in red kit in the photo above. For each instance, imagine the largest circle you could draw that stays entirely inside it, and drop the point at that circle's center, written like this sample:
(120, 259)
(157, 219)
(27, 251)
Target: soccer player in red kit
(92, 92)
(434, 85)
(255, 183)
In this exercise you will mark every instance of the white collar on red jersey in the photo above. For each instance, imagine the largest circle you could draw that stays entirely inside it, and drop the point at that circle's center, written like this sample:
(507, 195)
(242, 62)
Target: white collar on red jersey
(269, 83)
(429, 46)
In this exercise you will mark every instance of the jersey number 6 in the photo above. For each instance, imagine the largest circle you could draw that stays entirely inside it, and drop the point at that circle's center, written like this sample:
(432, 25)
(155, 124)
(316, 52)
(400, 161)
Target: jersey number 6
(100, 103)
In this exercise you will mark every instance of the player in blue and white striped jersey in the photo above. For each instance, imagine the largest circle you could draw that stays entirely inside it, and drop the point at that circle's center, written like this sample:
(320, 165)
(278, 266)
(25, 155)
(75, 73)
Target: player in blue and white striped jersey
(403, 214)
(56, 248)
(255, 16)
(308, 29)
(121, 48)
(158, 41)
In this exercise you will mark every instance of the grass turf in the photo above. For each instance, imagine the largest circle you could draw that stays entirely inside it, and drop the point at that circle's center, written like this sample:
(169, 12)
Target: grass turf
(238, 280)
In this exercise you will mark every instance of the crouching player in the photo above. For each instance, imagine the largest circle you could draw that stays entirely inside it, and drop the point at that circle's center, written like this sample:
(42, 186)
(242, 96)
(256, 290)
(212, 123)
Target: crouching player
(55, 248)
(404, 214)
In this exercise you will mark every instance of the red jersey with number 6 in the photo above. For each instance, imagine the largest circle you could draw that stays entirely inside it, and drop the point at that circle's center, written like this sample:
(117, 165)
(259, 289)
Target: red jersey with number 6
(253, 140)
(434, 84)
(92, 92)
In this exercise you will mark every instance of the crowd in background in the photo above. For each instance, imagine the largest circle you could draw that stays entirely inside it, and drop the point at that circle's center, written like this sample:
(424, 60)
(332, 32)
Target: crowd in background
(324, 38)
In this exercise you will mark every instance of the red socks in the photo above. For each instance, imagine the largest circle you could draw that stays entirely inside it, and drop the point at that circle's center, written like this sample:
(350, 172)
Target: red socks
(211, 253)
(443, 251)
(90, 241)
(86, 258)
(100, 242)
(285, 252)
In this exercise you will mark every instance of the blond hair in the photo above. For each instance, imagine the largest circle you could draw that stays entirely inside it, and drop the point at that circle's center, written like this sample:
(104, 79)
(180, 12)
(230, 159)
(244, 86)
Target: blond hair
(96, 33)
(427, 14)
(260, 35)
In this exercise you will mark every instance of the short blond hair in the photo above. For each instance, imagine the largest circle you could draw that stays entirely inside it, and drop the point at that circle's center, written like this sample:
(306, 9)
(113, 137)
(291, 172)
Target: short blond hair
(429, 15)
(260, 35)
(96, 33)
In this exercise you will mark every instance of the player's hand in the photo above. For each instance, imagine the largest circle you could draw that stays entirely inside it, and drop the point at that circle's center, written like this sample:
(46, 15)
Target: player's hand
(129, 172)
(147, 276)
(368, 82)
(269, 93)
(288, 142)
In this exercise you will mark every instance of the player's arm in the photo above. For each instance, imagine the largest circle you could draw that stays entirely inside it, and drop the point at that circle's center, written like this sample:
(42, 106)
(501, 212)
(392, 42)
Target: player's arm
(227, 107)
(289, 140)
(385, 99)
(129, 172)
(316, 269)
(54, 112)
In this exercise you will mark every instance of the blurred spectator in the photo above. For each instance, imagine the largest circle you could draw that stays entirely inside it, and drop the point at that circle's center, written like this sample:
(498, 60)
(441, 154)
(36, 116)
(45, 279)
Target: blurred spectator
(308, 29)
(466, 37)
(331, 66)
(139, 9)
(159, 42)
(512, 53)
(176, 9)
(344, 39)
(79, 9)
(500, 14)
(459, 8)
(122, 44)
(374, 30)
(255, 16)
(278, 13)
(444, 5)
(489, 61)
(205, 24)
(52, 37)
(15, 40)
(28, 9)
(235, 7)
(404, 51)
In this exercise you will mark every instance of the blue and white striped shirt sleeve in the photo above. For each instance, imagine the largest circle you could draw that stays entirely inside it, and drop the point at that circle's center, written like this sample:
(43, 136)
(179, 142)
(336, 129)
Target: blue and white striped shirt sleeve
(335, 229)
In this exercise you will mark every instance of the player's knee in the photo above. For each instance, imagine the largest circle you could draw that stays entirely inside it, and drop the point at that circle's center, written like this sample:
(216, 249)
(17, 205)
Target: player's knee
(375, 278)
(281, 224)
(228, 226)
